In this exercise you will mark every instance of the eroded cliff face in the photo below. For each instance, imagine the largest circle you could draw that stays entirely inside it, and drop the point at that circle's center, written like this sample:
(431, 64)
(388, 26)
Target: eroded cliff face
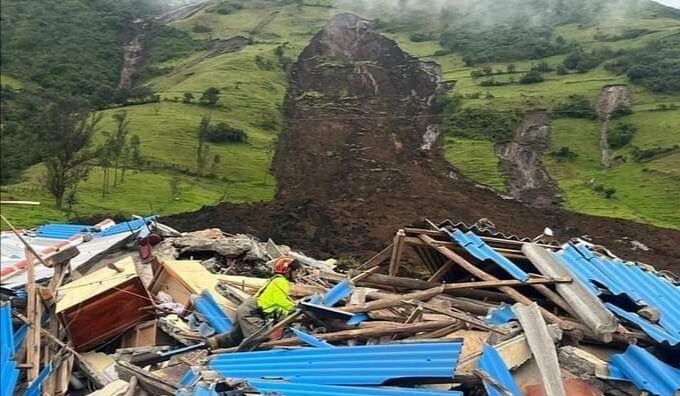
(611, 98)
(521, 159)
(359, 109)
(133, 52)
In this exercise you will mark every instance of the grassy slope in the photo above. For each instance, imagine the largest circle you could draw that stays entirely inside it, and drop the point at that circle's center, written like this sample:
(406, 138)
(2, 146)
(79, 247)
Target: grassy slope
(167, 130)
(645, 192)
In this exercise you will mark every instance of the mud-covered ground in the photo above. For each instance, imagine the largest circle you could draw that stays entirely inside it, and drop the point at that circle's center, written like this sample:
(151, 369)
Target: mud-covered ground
(353, 163)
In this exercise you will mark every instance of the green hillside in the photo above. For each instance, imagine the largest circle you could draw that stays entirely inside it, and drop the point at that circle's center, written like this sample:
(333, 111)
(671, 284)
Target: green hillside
(613, 45)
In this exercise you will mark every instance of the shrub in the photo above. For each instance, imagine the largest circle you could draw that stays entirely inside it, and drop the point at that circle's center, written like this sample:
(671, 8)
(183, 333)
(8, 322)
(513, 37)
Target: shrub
(621, 135)
(201, 29)
(481, 124)
(576, 106)
(223, 133)
(563, 154)
(621, 110)
(531, 77)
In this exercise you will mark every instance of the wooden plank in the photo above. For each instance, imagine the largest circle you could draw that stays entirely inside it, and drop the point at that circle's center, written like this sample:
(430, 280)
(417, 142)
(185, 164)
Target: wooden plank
(441, 271)
(475, 271)
(379, 258)
(379, 330)
(144, 334)
(33, 338)
(397, 252)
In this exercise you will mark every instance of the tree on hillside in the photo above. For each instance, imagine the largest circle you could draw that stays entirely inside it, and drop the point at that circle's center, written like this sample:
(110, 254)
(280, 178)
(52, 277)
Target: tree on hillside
(511, 68)
(135, 151)
(67, 129)
(119, 141)
(210, 96)
(105, 156)
(533, 76)
(215, 164)
(188, 97)
(202, 147)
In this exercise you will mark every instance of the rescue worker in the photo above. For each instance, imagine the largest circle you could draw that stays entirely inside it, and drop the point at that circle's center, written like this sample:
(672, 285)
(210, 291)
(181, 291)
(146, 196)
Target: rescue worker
(271, 302)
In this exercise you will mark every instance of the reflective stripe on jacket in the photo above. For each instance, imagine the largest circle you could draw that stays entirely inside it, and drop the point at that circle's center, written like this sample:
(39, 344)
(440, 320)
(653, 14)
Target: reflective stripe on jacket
(274, 297)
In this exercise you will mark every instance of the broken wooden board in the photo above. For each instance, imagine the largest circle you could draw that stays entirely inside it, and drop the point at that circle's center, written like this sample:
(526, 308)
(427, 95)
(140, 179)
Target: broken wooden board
(184, 278)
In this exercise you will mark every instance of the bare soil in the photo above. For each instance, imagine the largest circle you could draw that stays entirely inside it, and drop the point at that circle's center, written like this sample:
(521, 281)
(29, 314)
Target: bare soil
(352, 168)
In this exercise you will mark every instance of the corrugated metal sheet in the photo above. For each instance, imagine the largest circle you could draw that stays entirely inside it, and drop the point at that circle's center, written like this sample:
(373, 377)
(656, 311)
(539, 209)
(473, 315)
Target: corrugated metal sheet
(35, 389)
(12, 260)
(358, 365)
(105, 228)
(625, 278)
(480, 250)
(337, 293)
(310, 339)
(542, 347)
(293, 389)
(8, 366)
(212, 313)
(645, 371)
(198, 390)
(500, 315)
(587, 306)
(492, 364)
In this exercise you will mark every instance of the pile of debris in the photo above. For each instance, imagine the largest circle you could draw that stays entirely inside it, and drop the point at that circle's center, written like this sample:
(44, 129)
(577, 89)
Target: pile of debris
(442, 311)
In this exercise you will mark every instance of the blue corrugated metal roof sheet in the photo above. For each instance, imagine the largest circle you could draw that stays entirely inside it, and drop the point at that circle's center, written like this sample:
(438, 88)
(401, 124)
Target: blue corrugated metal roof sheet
(310, 339)
(35, 389)
(292, 389)
(492, 364)
(645, 371)
(198, 390)
(480, 250)
(625, 278)
(358, 365)
(8, 366)
(212, 313)
(337, 293)
(127, 226)
(500, 315)
(66, 231)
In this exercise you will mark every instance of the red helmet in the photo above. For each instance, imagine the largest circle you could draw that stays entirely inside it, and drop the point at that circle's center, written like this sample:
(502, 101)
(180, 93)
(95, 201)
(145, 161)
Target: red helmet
(283, 264)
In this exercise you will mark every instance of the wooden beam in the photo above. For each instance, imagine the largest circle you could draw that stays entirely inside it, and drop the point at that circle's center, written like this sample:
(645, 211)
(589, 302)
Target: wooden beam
(435, 291)
(397, 252)
(441, 271)
(379, 258)
(31, 203)
(421, 231)
(32, 307)
(363, 332)
(475, 271)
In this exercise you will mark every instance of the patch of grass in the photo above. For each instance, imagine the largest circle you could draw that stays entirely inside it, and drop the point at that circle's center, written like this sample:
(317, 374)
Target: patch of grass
(142, 192)
(640, 195)
(6, 80)
(475, 159)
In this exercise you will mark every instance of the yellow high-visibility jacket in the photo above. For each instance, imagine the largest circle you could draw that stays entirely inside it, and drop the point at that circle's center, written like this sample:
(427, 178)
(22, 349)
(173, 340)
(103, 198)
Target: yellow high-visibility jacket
(274, 297)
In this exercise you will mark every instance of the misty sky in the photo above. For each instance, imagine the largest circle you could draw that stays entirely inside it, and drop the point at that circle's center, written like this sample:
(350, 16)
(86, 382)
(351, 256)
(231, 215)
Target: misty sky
(672, 3)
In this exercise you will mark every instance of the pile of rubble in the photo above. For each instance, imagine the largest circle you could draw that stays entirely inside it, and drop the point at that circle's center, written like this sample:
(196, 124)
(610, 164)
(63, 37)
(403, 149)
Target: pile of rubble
(441, 311)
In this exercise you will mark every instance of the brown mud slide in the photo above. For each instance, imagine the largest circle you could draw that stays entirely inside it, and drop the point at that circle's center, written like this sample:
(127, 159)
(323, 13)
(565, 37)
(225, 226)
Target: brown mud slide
(357, 160)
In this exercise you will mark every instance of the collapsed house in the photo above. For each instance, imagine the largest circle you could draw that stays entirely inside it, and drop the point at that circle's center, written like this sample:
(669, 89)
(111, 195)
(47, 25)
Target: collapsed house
(123, 309)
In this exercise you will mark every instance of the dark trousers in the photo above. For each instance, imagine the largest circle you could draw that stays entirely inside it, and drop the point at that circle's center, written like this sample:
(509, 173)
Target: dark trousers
(249, 319)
